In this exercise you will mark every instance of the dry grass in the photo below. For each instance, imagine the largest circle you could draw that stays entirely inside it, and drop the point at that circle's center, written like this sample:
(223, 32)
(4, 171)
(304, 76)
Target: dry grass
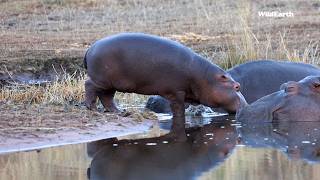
(38, 33)
(68, 90)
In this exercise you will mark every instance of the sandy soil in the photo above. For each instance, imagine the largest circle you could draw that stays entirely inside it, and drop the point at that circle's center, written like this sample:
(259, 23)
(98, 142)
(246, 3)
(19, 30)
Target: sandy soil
(26, 127)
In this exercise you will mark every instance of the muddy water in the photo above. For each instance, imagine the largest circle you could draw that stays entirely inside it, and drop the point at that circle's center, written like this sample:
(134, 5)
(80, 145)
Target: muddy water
(223, 149)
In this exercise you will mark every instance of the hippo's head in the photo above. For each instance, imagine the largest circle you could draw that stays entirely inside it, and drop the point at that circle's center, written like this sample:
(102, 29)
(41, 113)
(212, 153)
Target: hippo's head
(296, 101)
(223, 92)
(309, 86)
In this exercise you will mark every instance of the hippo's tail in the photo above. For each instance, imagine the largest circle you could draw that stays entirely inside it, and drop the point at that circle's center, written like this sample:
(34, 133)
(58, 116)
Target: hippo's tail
(85, 60)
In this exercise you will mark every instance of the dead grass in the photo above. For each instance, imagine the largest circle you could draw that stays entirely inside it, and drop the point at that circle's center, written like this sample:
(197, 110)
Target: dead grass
(38, 33)
(68, 90)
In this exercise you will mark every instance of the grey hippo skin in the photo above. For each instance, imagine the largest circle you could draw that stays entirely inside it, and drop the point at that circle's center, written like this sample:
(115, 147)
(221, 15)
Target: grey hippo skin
(151, 65)
(257, 79)
(295, 102)
(156, 159)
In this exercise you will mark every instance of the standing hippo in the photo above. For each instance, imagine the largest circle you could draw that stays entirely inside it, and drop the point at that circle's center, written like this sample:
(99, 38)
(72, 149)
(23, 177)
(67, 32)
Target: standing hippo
(257, 79)
(296, 101)
(151, 65)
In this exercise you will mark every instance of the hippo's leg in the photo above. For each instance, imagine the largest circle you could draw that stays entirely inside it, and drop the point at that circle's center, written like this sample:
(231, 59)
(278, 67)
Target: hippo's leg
(178, 119)
(91, 95)
(106, 98)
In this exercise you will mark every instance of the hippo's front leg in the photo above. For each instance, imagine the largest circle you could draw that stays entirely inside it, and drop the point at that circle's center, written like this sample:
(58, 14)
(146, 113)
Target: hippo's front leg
(178, 120)
(106, 98)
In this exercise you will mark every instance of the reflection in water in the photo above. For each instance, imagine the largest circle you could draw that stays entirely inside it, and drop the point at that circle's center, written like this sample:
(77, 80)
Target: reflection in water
(270, 151)
(156, 158)
(262, 164)
(299, 140)
(60, 163)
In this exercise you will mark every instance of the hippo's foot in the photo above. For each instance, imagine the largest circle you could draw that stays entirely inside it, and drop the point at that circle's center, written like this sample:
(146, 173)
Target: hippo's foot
(106, 98)
(112, 109)
(91, 107)
(125, 113)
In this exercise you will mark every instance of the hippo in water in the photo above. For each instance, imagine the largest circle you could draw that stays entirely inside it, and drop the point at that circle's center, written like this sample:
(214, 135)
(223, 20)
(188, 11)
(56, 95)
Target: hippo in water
(296, 101)
(257, 79)
(151, 65)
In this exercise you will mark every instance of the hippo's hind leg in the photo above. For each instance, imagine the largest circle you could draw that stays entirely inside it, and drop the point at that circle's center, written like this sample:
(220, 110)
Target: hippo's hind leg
(106, 98)
(91, 95)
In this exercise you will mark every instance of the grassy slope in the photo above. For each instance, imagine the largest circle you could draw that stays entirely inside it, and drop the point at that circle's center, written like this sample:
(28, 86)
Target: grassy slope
(41, 37)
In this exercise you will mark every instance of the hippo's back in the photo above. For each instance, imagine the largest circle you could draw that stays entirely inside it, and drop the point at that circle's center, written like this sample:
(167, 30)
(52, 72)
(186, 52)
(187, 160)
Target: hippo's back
(260, 78)
(138, 60)
(138, 48)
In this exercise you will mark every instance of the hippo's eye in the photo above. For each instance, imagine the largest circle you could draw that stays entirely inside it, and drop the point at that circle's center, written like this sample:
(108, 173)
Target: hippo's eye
(224, 77)
(316, 84)
(289, 88)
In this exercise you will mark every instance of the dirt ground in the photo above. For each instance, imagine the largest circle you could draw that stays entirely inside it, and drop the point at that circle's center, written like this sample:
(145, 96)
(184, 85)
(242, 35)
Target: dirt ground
(37, 34)
(42, 37)
(25, 127)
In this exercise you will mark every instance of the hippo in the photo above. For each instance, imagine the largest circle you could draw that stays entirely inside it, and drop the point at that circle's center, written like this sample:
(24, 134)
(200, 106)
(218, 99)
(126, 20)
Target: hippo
(263, 77)
(152, 65)
(296, 101)
(158, 104)
(156, 158)
(257, 79)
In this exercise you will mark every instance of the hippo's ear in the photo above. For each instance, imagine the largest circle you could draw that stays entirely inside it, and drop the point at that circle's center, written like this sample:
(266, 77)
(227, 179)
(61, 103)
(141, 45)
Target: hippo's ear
(283, 86)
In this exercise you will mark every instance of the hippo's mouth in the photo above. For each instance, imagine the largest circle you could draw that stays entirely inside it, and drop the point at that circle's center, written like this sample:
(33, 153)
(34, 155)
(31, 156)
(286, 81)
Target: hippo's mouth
(241, 103)
(232, 107)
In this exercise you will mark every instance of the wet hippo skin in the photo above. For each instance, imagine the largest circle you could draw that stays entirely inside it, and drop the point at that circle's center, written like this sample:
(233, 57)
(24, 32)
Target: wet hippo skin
(295, 102)
(151, 65)
(257, 79)
(205, 148)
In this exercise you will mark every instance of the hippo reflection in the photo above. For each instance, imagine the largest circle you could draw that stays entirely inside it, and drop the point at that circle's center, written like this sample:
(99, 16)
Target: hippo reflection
(299, 140)
(296, 101)
(257, 79)
(158, 159)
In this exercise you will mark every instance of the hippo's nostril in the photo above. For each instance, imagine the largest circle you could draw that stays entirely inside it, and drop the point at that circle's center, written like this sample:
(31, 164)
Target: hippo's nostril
(237, 86)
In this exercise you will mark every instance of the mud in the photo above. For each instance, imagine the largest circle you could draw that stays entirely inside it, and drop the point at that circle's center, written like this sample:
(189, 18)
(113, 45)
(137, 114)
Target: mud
(35, 71)
(27, 127)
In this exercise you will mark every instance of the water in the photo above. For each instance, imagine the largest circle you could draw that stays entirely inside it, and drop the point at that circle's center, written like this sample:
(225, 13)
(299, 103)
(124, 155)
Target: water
(220, 150)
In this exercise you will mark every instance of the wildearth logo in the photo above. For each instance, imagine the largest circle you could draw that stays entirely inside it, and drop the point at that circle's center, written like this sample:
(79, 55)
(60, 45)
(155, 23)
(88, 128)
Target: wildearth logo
(275, 14)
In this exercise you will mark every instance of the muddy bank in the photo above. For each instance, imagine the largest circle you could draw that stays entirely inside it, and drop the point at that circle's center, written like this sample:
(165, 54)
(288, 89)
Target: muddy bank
(42, 66)
(26, 127)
